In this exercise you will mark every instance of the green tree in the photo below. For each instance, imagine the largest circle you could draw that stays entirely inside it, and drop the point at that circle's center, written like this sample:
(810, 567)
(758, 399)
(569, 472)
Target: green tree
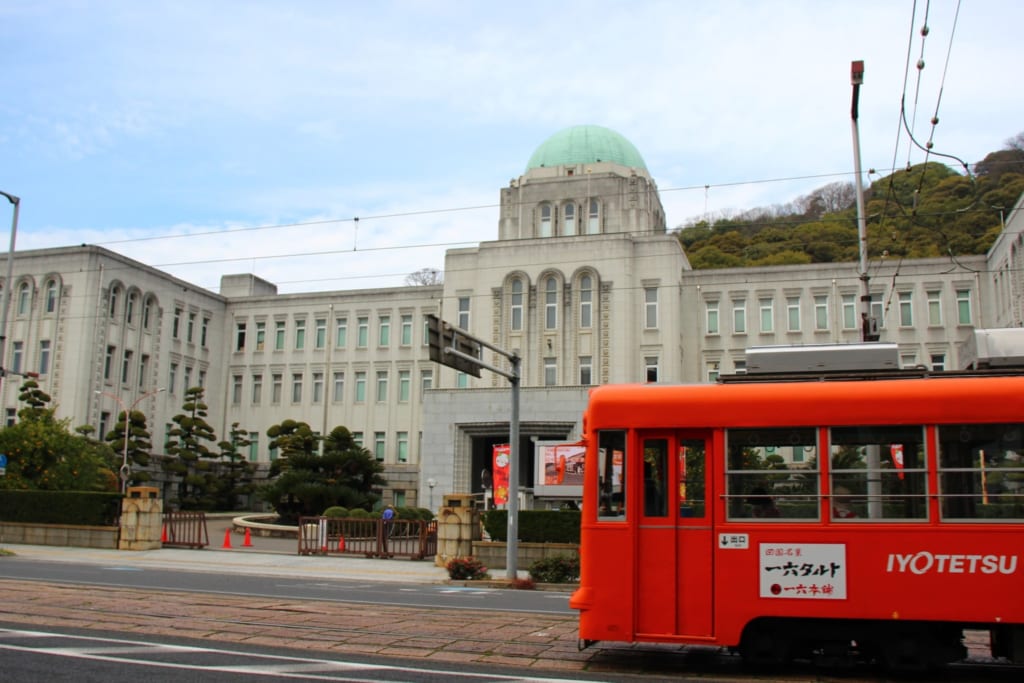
(235, 472)
(306, 483)
(43, 453)
(191, 458)
(139, 445)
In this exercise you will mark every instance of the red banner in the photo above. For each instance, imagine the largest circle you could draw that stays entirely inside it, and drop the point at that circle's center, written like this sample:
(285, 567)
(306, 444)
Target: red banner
(501, 456)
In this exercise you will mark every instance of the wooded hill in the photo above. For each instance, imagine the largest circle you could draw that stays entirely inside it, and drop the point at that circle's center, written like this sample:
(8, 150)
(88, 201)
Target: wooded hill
(923, 211)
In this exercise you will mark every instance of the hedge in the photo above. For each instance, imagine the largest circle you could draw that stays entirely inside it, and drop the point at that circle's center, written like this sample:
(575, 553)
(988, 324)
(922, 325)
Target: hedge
(85, 508)
(536, 526)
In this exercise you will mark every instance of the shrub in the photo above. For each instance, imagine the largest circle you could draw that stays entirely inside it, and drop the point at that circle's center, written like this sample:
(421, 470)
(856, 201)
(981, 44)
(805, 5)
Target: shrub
(524, 584)
(556, 569)
(336, 511)
(536, 526)
(466, 568)
(359, 513)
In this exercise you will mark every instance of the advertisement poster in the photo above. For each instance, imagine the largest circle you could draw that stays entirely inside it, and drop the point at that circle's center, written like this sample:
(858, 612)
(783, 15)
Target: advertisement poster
(809, 571)
(501, 455)
(563, 465)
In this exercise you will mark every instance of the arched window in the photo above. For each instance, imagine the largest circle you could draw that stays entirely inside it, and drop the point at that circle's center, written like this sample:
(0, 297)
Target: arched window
(545, 220)
(23, 297)
(550, 303)
(569, 216)
(516, 311)
(586, 301)
(129, 311)
(114, 294)
(51, 296)
(594, 218)
(147, 308)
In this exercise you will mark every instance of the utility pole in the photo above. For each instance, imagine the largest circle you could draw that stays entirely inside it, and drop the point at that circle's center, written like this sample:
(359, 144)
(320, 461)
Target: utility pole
(869, 327)
(458, 349)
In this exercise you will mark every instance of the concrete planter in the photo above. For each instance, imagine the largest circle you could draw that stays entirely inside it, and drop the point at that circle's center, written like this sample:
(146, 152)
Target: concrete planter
(493, 553)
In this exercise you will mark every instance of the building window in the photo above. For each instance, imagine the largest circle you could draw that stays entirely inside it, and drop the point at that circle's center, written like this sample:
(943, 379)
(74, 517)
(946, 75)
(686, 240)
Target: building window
(767, 314)
(126, 365)
(297, 387)
(104, 421)
(384, 331)
(594, 218)
(963, 306)
(586, 370)
(651, 368)
(938, 362)
(934, 308)
(849, 312)
(318, 387)
(426, 379)
(254, 446)
(739, 316)
(202, 378)
(793, 314)
(382, 386)
(261, 336)
(338, 394)
(586, 301)
(190, 328)
(402, 444)
(236, 390)
(357, 438)
(877, 313)
(279, 328)
(545, 220)
(461, 380)
(240, 337)
(340, 332)
(108, 360)
(320, 340)
(650, 307)
(517, 305)
(711, 316)
(906, 310)
(44, 356)
(187, 377)
(300, 334)
(23, 300)
(379, 445)
(147, 309)
(257, 389)
(464, 312)
(406, 330)
(172, 377)
(821, 312)
(360, 387)
(404, 385)
(363, 332)
(51, 296)
(550, 303)
(276, 386)
(143, 369)
(129, 312)
(569, 219)
(550, 371)
(203, 330)
(711, 371)
(176, 323)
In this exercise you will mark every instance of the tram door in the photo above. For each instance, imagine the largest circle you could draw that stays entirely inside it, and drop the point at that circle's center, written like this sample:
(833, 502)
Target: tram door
(674, 541)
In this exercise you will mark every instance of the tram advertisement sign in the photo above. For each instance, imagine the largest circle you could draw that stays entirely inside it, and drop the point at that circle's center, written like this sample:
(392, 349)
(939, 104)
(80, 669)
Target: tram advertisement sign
(810, 571)
(502, 454)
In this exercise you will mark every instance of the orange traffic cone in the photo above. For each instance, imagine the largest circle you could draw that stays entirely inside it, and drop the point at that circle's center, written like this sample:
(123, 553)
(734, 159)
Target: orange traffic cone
(227, 539)
(341, 544)
(248, 539)
(163, 535)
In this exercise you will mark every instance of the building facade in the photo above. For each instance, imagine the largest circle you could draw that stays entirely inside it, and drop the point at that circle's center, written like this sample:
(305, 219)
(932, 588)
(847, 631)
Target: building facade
(584, 283)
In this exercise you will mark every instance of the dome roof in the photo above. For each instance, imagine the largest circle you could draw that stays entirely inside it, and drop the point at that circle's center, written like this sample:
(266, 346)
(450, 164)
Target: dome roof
(584, 145)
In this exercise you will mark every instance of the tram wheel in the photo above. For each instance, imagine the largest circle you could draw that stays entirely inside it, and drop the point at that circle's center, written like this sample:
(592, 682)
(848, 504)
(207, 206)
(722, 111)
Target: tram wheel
(765, 644)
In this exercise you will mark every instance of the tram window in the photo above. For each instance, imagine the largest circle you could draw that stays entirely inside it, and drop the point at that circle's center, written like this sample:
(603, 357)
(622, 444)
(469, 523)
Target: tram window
(691, 478)
(772, 473)
(611, 475)
(655, 478)
(981, 471)
(878, 472)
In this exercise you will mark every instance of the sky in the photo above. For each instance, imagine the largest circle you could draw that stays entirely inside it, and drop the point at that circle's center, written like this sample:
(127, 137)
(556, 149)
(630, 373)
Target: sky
(212, 138)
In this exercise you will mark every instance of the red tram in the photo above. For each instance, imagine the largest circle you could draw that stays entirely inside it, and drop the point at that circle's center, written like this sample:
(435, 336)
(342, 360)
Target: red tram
(877, 518)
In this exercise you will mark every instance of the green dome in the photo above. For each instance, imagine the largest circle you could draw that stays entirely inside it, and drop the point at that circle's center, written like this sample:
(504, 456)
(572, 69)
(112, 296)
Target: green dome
(584, 145)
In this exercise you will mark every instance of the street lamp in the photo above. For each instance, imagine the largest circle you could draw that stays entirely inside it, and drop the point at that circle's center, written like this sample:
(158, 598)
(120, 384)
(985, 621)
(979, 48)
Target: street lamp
(8, 288)
(125, 469)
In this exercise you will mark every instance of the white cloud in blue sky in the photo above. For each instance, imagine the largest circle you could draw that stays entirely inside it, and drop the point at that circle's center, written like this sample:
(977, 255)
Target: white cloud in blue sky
(127, 120)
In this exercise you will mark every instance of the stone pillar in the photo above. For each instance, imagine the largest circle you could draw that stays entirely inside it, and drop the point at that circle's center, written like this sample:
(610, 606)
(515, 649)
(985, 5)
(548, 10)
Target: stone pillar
(142, 516)
(458, 525)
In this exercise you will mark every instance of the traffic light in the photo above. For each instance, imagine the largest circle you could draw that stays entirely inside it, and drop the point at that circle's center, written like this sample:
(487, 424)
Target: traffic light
(442, 337)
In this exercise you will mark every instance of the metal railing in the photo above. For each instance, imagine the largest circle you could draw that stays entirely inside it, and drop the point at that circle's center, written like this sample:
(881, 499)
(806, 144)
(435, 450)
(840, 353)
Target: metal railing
(185, 530)
(412, 538)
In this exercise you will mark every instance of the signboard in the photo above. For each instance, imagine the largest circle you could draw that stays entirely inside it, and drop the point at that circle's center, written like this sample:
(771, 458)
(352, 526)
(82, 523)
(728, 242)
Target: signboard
(558, 469)
(502, 456)
(809, 571)
(3, 464)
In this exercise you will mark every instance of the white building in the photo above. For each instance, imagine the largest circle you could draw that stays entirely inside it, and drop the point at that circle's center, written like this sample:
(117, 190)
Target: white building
(583, 282)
